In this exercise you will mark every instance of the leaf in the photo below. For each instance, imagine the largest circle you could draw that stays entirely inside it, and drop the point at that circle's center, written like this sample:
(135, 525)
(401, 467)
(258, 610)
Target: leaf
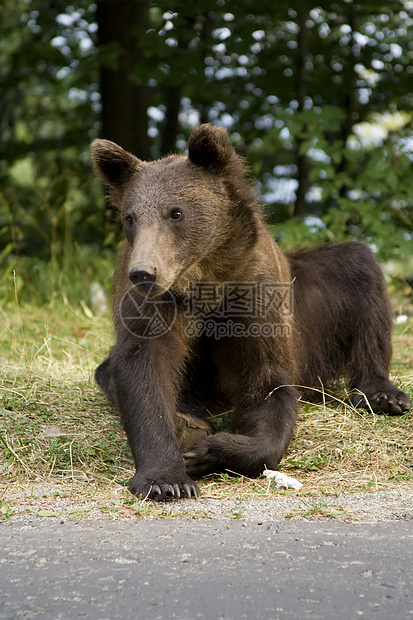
(237, 513)
(47, 513)
(392, 179)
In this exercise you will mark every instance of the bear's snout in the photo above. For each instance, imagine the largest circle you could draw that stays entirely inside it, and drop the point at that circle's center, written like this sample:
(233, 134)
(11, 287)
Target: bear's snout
(144, 274)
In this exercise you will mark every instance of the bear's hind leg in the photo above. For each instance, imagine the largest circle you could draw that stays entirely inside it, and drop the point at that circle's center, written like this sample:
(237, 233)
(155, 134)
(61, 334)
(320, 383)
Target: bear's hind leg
(381, 396)
(369, 350)
(368, 366)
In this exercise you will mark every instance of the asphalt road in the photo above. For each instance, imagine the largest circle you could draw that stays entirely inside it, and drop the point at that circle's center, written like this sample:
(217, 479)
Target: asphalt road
(211, 569)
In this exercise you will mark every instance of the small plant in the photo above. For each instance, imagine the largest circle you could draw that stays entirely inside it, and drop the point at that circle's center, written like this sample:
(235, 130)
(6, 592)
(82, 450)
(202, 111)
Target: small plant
(140, 508)
(47, 513)
(6, 511)
(237, 513)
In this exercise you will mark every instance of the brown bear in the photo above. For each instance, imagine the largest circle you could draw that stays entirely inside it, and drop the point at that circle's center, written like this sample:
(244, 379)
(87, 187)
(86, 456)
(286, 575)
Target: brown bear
(210, 313)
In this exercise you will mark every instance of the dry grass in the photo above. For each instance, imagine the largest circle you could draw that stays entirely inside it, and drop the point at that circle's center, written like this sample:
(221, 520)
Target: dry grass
(59, 441)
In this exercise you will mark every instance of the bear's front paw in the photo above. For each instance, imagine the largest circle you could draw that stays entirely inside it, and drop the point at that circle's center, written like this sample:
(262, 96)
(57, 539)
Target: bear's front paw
(161, 487)
(202, 458)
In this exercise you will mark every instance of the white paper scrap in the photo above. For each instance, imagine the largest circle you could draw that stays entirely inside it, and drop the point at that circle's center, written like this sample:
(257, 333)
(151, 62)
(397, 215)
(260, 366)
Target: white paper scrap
(282, 481)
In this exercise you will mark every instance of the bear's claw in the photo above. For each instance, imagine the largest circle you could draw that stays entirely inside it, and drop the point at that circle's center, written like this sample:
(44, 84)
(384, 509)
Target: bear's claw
(191, 490)
(144, 487)
(156, 489)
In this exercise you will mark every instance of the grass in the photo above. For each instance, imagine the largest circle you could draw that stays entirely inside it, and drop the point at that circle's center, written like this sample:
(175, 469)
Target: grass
(318, 508)
(61, 445)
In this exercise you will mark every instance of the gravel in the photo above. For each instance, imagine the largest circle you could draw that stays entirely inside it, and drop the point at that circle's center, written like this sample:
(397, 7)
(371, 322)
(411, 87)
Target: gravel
(54, 502)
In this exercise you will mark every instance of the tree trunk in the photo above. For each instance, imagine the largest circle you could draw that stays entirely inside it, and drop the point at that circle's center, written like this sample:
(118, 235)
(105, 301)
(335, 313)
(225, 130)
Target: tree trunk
(121, 27)
(170, 129)
(349, 107)
(302, 163)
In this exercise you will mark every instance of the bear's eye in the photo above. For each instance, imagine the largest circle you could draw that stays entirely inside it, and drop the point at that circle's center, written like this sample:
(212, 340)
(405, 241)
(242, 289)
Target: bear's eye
(176, 214)
(129, 221)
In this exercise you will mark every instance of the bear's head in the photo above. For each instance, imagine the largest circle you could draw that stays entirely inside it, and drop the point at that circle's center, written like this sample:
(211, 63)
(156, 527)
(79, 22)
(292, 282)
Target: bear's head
(184, 217)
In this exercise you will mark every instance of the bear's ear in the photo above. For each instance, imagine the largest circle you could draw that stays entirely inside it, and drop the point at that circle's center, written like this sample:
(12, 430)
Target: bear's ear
(210, 147)
(113, 165)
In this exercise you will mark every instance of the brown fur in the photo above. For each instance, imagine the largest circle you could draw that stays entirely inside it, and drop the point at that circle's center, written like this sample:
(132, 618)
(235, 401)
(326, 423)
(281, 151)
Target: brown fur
(193, 220)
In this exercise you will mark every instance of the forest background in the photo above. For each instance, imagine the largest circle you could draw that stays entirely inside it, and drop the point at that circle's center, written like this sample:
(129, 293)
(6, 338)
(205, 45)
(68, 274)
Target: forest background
(317, 96)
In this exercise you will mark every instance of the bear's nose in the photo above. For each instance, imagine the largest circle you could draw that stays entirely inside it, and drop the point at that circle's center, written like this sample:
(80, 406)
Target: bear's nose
(142, 275)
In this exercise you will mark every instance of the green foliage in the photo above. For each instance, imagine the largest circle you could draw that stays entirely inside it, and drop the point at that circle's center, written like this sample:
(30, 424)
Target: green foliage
(316, 96)
(70, 279)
